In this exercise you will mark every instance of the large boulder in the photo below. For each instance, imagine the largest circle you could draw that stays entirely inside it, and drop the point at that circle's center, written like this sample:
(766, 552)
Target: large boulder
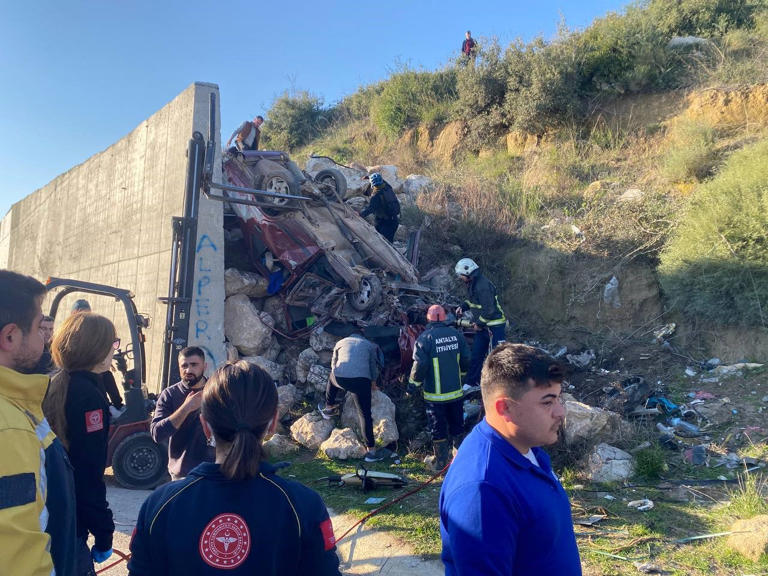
(383, 415)
(439, 278)
(273, 352)
(311, 430)
(307, 359)
(287, 396)
(275, 307)
(321, 340)
(279, 446)
(343, 444)
(750, 537)
(354, 176)
(415, 184)
(245, 327)
(585, 423)
(610, 464)
(318, 377)
(248, 283)
(274, 369)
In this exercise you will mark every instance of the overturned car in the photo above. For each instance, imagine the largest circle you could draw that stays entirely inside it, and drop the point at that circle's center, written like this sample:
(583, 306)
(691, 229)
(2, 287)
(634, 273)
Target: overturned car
(323, 260)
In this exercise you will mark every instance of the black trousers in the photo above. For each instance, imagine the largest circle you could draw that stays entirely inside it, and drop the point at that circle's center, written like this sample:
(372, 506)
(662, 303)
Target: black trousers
(387, 228)
(444, 418)
(360, 388)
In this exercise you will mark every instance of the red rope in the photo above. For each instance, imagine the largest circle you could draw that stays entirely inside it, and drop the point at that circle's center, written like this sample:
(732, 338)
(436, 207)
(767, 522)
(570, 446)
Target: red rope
(123, 558)
(395, 501)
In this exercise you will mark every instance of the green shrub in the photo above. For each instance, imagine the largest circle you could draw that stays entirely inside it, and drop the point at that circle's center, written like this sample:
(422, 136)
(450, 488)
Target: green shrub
(650, 462)
(692, 154)
(293, 120)
(715, 266)
(410, 97)
(702, 17)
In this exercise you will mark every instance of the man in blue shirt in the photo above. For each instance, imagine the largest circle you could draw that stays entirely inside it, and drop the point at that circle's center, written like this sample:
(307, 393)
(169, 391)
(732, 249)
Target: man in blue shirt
(502, 509)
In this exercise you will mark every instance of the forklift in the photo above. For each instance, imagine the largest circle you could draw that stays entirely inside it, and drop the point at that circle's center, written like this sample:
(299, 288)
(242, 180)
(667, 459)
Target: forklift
(137, 461)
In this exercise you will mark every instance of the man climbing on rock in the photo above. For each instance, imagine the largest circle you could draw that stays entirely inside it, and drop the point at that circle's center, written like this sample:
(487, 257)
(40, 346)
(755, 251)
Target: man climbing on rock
(247, 135)
(488, 317)
(440, 356)
(384, 206)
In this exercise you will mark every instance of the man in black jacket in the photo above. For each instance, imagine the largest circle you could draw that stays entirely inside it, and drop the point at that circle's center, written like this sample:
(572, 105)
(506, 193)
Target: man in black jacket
(440, 357)
(488, 316)
(176, 418)
(384, 206)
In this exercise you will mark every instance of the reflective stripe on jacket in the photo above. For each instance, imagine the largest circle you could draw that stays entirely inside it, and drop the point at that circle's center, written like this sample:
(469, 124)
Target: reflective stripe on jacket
(484, 301)
(24, 436)
(440, 357)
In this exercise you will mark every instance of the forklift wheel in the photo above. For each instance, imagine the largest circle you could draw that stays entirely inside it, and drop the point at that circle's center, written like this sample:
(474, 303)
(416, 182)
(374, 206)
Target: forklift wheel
(139, 463)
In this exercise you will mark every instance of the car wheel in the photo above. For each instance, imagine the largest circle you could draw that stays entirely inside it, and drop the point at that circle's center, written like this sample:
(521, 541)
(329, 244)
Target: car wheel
(330, 177)
(368, 295)
(139, 463)
(272, 177)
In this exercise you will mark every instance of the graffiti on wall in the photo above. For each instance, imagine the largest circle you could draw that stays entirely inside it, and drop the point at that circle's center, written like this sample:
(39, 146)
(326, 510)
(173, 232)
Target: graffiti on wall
(205, 254)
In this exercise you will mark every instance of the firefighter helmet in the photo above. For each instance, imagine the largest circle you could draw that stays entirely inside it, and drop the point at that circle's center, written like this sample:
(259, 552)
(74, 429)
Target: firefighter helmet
(465, 267)
(376, 179)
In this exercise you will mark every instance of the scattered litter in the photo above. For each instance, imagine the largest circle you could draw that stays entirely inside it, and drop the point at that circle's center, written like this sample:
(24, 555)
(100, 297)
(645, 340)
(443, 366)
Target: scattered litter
(702, 395)
(590, 521)
(664, 405)
(711, 363)
(710, 380)
(560, 352)
(683, 428)
(648, 568)
(664, 429)
(639, 447)
(641, 505)
(374, 500)
(581, 360)
(690, 371)
(660, 334)
(696, 455)
(611, 293)
(764, 399)
(735, 368)
(703, 536)
(609, 497)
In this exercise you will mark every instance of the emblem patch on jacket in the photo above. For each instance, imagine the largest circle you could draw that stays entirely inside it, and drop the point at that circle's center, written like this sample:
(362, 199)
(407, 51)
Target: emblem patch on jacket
(225, 542)
(94, 421)
(329, 540)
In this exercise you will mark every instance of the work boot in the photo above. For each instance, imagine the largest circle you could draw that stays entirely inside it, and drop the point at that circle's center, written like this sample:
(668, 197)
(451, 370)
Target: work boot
(442, 455)
(329, 411)
(457, 440)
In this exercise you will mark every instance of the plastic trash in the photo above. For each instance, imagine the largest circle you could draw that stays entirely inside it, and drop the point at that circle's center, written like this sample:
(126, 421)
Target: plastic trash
(611, 293)
(641, 505)
(684, 428)
(581, 360)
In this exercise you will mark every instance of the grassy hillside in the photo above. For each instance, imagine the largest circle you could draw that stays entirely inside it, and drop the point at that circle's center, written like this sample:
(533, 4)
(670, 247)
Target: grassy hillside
(583, 155)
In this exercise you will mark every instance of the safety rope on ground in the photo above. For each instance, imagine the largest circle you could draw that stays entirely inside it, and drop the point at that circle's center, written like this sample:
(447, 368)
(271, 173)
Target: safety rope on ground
(395, 501)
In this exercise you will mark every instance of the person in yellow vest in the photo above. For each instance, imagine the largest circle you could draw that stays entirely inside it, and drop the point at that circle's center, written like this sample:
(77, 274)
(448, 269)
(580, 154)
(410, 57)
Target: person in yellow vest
(487, 314)
(247, 135)
(440, 358)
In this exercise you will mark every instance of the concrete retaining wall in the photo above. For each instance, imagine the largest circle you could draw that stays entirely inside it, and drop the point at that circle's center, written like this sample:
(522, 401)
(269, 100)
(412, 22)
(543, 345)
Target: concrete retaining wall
(108, 221)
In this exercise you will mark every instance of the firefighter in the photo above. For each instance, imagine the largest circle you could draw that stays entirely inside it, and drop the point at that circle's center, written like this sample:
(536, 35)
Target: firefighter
(235, 516)
(440, 357)
(384, 206)
(489, 320)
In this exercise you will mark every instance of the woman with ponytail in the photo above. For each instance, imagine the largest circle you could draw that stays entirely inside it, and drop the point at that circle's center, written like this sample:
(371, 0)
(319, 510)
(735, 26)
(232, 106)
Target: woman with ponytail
(78, 412)
(235, 516)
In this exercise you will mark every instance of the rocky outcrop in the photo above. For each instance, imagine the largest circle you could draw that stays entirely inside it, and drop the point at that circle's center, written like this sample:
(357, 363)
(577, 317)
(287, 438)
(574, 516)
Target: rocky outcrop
(342, 445)
(311, 430)
(248, 283)
(383, 414)
(610, 464)
(279, 446)
(245, 327)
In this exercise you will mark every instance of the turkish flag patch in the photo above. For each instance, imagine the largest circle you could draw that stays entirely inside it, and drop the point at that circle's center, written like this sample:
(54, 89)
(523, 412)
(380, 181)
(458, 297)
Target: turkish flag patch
(329, 540)
(94, 421)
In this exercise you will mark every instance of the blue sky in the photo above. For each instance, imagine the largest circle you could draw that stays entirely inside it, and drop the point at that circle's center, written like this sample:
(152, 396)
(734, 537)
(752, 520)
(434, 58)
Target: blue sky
(78, 75)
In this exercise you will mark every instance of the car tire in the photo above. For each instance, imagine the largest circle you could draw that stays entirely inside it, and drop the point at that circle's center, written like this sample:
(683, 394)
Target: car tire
(334, 178)
(139, 463)
(368, 295)
(273, 177)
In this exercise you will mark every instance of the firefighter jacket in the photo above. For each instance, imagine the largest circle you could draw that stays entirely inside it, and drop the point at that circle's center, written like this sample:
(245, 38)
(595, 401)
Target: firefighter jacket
(208, 524)
(24, 436)
(483, 301)
(440, 357)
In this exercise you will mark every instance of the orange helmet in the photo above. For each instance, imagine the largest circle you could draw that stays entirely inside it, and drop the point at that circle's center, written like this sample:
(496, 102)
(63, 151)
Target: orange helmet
(436, 313)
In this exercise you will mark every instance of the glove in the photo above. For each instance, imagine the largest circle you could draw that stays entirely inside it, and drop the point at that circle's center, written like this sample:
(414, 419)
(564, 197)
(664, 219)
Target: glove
(459, 311)
(100, 556)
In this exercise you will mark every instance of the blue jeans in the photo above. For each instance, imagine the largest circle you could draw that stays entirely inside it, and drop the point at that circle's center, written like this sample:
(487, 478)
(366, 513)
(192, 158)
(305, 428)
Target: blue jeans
(485, 340)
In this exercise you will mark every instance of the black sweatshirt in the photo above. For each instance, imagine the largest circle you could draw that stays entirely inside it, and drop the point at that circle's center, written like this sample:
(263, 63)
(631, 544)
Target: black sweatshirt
(87, 413)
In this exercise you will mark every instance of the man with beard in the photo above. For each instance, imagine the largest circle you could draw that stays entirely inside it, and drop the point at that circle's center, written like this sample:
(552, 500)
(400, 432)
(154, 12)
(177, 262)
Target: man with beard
(502, 508)
(37, 495)
(45, 364)
(176, 419)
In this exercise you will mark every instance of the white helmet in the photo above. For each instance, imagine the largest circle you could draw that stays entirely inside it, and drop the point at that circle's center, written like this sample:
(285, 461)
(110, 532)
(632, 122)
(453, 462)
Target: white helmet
(465, 267)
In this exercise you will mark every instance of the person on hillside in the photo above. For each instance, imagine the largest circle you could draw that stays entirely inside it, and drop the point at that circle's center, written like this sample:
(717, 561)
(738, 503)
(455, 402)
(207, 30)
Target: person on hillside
(355, 366)
(247, 135)
(502, 508)
(235, 515)
(37, 494)
(384, 206)
(176, 418)
(440, 356)
(468, 47)
(488, 317)
(78, 411)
